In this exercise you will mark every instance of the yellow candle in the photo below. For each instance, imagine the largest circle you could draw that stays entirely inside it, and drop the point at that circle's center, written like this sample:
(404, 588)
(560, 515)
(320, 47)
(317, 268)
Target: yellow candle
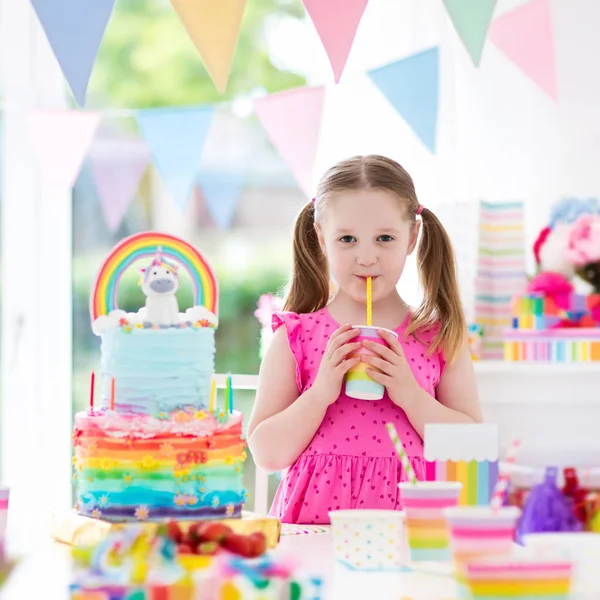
(213, 395)
(369, 302)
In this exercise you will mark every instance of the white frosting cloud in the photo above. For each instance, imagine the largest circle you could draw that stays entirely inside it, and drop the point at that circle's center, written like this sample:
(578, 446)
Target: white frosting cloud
(113, 318)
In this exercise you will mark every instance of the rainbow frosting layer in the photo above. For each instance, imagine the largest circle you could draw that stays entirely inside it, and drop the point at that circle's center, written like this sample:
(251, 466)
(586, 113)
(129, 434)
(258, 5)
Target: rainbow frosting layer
(186, 466)
(506, 579)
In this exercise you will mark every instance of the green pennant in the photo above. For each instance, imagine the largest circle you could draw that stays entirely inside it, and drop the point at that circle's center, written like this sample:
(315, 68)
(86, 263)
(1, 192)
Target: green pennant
(471, 19)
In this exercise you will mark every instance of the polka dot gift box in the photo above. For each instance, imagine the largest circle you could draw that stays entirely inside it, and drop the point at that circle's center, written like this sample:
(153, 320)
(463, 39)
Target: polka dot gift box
(369, 540)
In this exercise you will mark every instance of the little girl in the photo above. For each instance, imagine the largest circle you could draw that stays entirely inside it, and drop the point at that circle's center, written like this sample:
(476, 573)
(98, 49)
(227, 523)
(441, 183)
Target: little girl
(334, 448)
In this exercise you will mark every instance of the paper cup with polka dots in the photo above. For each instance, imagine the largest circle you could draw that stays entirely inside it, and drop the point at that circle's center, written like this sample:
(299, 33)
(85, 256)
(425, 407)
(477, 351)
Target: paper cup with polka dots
(358, 384)
(369, 540)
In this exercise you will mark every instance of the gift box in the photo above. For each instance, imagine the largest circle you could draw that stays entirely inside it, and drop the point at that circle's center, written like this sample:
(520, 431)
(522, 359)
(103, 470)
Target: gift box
(467, 453)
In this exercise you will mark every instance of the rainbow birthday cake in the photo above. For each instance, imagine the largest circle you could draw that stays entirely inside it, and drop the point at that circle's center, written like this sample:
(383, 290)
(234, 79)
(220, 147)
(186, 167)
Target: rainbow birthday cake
(152, 444)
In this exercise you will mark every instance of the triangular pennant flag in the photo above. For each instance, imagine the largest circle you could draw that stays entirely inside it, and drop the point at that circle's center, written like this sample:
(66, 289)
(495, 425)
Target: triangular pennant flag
(525, 36)
(471, 19)
(221, 191)
(336, 22)
(412, 87)
(117, 168)
(60, 141)
(74, 30)
(214, 27)
(176, 138)
(292, 121)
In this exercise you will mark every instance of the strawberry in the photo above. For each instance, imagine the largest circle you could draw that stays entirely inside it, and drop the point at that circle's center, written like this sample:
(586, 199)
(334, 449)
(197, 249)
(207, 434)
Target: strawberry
(207, 548)
(258, 543)
(194, 532)
(174, 532)
(215, 532)
(239, 544)
(185, 549)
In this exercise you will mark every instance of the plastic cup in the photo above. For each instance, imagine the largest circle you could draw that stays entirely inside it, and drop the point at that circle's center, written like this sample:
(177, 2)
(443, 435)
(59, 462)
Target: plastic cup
(501, 578)
(369, 540)
(358, 384)
(423, 503)
(582, 548)
(4, 495)
(481, 531)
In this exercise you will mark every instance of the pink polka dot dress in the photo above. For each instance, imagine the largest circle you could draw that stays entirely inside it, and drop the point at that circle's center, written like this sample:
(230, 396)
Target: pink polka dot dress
(350, 462)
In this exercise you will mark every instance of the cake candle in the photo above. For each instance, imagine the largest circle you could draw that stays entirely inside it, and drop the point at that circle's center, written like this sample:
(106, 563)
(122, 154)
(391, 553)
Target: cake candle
(228, 394)
(112, 394)
(213, 396)
(92, 385)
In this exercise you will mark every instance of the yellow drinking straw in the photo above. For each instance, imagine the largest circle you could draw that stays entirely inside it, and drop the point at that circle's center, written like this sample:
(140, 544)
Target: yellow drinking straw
(369, 302)
(213, 396)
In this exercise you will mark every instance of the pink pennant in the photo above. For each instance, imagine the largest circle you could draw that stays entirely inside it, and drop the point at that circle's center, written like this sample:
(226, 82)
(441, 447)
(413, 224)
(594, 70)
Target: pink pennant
(292, 121)
(60, 141)
(336, 22)
(525, 36)
(117, 167)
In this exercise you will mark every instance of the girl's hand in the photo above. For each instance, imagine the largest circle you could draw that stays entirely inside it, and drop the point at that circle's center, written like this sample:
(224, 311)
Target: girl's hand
(391, 368)
(336, 363)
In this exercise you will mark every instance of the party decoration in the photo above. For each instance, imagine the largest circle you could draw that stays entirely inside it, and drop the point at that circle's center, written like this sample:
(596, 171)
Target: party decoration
(501, 487)
(74, 30)
(117, 171)
(525, 36)
(214, 28)
(547, 509)
(176, 138)
(471, 19)
(60, 141)
(103, 298)
(467, 453)
(221, 191)
(292, 121)
(336, 22)
(411, 85)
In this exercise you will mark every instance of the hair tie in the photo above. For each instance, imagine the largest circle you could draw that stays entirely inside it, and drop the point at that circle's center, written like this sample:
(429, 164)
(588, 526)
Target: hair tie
(420, 209)
(314, 200)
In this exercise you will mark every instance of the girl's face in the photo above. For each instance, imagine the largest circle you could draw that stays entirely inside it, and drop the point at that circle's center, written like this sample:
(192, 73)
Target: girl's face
(364, 233)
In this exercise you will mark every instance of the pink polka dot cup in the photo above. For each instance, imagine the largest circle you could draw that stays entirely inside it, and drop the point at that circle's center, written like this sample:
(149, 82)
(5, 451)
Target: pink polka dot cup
(369, 540)
(358, 384)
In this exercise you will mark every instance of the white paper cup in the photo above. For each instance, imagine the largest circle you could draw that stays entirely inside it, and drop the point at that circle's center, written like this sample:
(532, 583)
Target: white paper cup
(583, 549)
(369, 540)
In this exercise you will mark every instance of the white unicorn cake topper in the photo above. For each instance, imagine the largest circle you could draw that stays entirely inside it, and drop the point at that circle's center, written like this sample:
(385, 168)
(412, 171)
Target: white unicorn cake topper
(160, 283)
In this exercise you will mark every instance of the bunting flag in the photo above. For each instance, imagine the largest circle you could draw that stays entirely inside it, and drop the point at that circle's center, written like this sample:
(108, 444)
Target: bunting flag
(214, 27)
(221, 190)
(117, 168)
(525, 36)
(176, 138)
(74, 30)
(336, 22)
(60, 141)
(292, 121)
(471, 19)
(411, 85)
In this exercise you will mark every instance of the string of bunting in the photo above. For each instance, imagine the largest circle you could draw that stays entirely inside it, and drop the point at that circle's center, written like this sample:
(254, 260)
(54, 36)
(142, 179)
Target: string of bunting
(175, 137)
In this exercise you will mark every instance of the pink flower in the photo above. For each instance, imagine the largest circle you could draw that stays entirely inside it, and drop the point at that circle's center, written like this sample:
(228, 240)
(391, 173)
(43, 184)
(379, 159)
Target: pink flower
(554, 285)
(584, 240)
(267, 305)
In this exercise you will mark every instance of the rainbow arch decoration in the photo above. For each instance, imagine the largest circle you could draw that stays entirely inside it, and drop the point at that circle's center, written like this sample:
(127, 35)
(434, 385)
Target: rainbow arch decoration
(103, 298)
(464, 452)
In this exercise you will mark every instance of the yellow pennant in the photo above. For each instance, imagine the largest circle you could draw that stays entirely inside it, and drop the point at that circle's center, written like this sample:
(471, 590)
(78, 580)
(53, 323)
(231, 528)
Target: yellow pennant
(214, 27)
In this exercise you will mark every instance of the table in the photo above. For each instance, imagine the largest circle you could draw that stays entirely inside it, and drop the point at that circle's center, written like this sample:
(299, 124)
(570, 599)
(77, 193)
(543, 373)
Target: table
(45, 574)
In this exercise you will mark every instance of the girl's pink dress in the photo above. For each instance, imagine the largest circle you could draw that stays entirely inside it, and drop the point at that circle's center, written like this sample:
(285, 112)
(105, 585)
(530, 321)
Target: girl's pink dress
(350, 462)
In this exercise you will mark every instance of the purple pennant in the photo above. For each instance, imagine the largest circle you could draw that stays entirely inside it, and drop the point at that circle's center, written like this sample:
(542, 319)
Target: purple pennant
(117, 168)
(74, 29)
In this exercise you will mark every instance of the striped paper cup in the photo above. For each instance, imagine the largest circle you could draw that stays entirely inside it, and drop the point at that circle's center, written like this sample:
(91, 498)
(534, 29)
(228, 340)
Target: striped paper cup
(358, 384)
(4, 495)
(368, 540)
(502, 578)
(426, 526)
(481, 531)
